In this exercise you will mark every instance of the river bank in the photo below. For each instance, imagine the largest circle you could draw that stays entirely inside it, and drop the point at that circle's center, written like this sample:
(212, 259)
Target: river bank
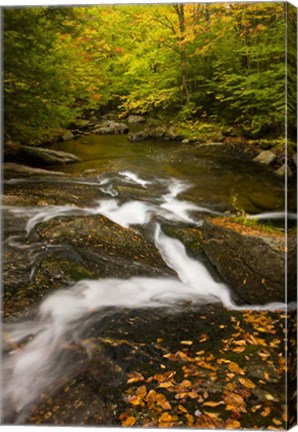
(118, 237)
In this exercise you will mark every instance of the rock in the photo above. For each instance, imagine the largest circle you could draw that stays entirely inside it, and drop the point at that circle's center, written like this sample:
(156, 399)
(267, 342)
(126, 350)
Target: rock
(132, 119)
(283, 170)
(146, 134)
(44, 156)
(111, 127)
(93, 118)
(171, 135)
(81, 124)
(68, 136)
(265, 157)
(295, 159)
(10, 168)
(251, 261)
(185, 141)
(138, 136)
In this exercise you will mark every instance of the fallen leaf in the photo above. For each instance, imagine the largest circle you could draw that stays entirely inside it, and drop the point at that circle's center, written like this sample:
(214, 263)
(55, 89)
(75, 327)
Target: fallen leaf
(232, 424)
(276, 422)
(186, 342)
(167, 418)
(128, 421)
(265, 412)
(213, 404)
(141, 391)
(134, 377)
(135, 400)
(181, 408)
(246, 382)
(190, 419)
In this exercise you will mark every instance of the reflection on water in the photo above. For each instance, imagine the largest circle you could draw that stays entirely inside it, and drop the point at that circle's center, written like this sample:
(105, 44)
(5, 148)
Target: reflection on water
(220, 178)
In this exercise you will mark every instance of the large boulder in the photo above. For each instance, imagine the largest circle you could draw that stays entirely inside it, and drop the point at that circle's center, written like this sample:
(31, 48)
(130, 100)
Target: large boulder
(251, 260)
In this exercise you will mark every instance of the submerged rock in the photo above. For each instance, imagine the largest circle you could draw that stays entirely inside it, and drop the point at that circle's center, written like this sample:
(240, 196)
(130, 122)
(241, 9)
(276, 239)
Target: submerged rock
(251, 260)
(11, 169)
(111, 127)
(44, 156)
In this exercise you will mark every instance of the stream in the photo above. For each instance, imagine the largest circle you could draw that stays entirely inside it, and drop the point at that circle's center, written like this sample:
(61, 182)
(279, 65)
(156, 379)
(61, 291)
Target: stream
(104, 261)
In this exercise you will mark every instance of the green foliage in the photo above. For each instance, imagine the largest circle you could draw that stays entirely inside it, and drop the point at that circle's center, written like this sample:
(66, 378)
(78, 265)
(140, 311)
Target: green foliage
(201, 64)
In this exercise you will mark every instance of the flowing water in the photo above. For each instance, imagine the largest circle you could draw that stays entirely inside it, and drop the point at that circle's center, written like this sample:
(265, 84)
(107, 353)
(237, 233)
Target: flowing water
(135, 185)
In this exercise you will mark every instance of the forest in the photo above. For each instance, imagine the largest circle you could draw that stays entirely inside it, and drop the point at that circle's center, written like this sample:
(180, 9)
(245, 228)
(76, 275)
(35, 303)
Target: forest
(149, 216)
(199, 66)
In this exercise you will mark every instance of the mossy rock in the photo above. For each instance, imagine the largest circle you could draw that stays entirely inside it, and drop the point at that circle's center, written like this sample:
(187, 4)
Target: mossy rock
(251, 260)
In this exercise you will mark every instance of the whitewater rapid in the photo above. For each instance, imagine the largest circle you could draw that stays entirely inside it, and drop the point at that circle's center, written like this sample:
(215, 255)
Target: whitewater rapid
(38, 364)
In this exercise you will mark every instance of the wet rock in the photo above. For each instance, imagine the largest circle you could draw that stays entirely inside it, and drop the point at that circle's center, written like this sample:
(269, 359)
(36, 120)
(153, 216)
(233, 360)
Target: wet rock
(11, 169)
(283, 171)
(81, 124)
(252, 261)
(111, 127)
(265, 157)
(136, 119)
(44, 156)
(68, 136)
(114, 251)
(185, 141)
(147, 133)
(138, 136)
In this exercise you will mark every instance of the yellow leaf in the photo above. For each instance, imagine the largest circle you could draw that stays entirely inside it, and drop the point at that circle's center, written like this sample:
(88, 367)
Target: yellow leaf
(186, 342)
(233, 367)
(167, 418)
(213, 404)
(167, 384)
(277, 422)
(134, 377)
(181, 408)
(211, 414)
(239, 349)
(266, 375)
(232, 424)
(246, 382)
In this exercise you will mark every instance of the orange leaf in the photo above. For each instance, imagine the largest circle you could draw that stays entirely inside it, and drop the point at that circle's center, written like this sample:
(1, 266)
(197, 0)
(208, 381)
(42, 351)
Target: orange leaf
(246, 382)
(167, 418)
(128, 421)
(141, 391)
(181, 408)
(266, 412)
(134, 377)
(190, 419)
(232, 424)
(135, 400)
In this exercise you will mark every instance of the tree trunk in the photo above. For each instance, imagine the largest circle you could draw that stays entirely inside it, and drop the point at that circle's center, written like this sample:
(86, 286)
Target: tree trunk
(184, 85)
